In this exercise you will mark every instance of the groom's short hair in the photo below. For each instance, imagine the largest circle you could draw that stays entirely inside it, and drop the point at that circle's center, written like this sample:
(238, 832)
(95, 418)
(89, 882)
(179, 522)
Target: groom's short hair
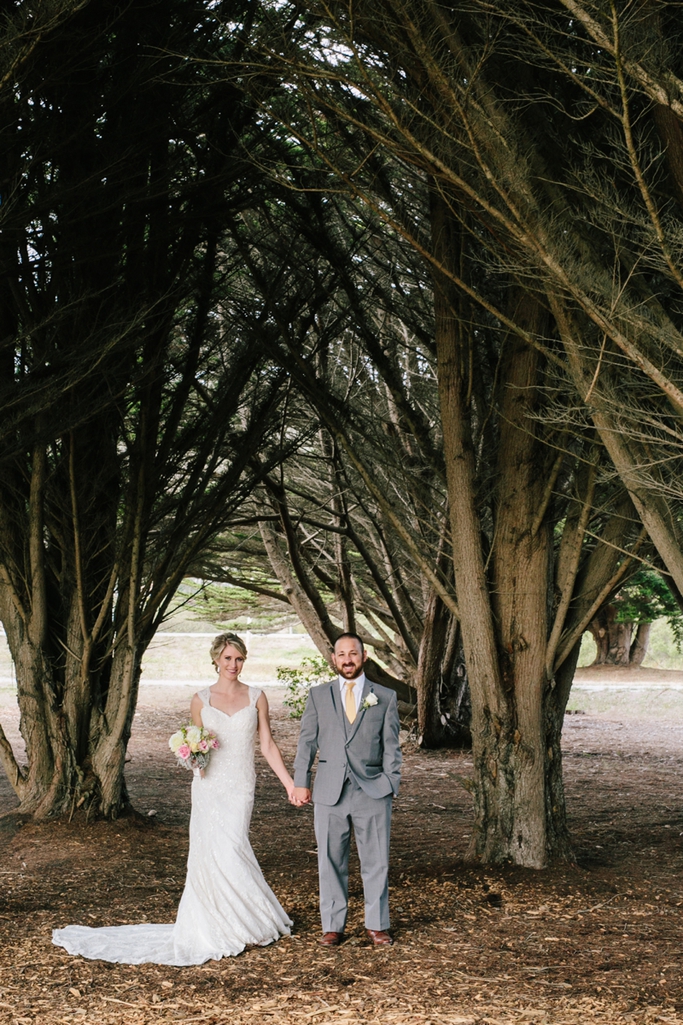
(351, 637)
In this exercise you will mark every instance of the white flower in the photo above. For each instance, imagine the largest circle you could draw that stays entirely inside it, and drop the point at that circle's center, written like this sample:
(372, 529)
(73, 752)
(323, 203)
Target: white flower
(194, 735)
(176, 741)
(370, 700)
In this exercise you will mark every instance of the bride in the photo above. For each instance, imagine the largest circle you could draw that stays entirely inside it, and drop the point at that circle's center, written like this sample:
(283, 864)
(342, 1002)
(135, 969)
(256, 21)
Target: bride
(226, 904)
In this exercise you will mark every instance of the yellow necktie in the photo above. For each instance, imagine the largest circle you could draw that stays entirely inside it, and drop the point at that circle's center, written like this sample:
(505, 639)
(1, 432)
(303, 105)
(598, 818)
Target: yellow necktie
(350, 701)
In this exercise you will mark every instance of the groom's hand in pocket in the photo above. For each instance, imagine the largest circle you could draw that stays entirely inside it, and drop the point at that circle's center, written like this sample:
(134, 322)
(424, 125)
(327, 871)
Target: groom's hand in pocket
(300, 796)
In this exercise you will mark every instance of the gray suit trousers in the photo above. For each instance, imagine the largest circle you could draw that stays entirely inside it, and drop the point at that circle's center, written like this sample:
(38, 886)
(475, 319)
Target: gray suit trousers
(371, 821)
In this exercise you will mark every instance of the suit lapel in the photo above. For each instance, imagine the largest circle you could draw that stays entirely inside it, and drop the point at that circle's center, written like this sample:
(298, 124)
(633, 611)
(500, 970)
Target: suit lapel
(352, 727)
(335, 698)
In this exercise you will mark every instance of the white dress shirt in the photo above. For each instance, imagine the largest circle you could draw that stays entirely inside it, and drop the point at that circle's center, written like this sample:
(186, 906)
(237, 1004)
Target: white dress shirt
(359, 683)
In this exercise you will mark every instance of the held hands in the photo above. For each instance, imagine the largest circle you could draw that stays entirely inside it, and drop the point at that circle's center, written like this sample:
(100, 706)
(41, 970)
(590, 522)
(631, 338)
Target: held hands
(299, 796)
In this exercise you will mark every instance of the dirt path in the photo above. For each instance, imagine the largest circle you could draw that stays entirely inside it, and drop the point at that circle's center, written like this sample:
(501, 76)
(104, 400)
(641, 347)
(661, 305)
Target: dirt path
(600, 942)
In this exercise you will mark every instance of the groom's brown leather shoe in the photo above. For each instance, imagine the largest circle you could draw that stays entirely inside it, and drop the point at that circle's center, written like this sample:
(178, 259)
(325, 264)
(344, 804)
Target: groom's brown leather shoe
(379, 938)
(331, 939)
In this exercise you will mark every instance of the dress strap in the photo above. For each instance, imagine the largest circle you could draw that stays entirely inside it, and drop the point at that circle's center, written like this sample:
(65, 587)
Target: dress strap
(254, 694)
(205, 696)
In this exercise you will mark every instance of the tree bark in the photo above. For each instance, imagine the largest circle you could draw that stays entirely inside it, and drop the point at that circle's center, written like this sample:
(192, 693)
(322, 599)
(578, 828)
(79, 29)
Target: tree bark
(616, 643)
(612, 637)
(344, 578)
(322, 634)
(504, 623)
(557, 838)
(598, 630)
(59, 648)
(640, 644)
(429, 675)
(520, 598)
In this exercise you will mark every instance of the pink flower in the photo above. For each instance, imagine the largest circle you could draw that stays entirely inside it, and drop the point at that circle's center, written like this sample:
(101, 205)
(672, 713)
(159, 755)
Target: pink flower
(203, 745)
(184, 751)
(214, 743)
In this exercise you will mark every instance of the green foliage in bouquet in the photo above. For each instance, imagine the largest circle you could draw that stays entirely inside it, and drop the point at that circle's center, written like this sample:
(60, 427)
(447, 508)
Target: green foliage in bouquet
(312, 671)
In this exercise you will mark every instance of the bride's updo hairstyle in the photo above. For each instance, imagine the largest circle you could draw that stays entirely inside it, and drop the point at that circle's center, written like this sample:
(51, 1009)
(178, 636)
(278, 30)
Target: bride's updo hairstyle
(221, 641)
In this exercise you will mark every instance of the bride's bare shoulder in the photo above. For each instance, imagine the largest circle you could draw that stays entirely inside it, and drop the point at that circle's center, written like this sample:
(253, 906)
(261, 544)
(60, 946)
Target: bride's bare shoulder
(196, 706)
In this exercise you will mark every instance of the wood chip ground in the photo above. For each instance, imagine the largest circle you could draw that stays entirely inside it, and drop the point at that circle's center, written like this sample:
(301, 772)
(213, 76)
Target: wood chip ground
(599, 942)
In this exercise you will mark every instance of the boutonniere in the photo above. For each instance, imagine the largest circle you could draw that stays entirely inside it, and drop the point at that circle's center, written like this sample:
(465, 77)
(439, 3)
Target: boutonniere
(370, 700)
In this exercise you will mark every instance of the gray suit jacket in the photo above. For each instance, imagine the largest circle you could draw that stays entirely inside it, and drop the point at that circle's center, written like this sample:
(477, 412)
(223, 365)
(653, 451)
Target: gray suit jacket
(368, 747)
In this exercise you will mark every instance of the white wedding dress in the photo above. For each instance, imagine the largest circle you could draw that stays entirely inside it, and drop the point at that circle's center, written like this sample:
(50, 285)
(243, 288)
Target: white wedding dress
(226, 904)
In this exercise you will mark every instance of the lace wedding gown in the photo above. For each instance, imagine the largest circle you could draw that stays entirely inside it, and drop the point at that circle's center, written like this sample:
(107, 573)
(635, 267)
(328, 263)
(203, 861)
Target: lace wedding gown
(226, 904)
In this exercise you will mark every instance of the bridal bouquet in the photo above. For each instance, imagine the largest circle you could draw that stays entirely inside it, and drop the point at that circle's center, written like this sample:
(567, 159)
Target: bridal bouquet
(192, 745)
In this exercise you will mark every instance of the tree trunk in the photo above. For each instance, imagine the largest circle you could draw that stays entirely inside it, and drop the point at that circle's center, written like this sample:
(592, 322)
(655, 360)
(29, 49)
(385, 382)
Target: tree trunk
(322, 633)
(520, 598)
(118, 464)
(612, 637)
(109, 751)
(45, 785)
(640, 644)
(620, 643)
(558, 839)
(505, 633)
(60, 619)
(75, 755)
(598, 630)
(429, 676)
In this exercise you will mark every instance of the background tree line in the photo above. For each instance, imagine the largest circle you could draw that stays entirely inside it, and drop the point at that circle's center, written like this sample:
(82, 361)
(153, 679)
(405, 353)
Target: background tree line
(377, 317)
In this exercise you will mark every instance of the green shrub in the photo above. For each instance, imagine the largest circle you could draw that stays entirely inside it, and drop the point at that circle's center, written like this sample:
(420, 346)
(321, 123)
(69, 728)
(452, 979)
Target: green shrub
(312, 671)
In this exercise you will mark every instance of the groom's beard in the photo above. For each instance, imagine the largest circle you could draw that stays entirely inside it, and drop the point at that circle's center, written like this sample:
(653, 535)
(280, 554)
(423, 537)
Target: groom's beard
(351, 674)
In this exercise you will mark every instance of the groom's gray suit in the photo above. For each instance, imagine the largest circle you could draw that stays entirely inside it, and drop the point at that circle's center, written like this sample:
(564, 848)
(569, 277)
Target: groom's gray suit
(359, 771)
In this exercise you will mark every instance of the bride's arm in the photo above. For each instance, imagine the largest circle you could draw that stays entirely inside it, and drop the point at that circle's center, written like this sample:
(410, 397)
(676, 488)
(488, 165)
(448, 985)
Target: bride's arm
(269, 749)
(196, 706)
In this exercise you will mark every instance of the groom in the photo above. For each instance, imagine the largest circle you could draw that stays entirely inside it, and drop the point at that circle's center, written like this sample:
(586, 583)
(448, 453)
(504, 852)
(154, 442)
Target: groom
(354, 725)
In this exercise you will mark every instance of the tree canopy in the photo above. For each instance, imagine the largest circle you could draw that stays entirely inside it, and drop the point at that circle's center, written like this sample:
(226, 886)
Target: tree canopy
(373, 311)
(132, 409)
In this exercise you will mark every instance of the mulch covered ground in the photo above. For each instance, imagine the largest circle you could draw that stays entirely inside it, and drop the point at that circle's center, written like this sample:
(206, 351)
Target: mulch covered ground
(598, 942)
